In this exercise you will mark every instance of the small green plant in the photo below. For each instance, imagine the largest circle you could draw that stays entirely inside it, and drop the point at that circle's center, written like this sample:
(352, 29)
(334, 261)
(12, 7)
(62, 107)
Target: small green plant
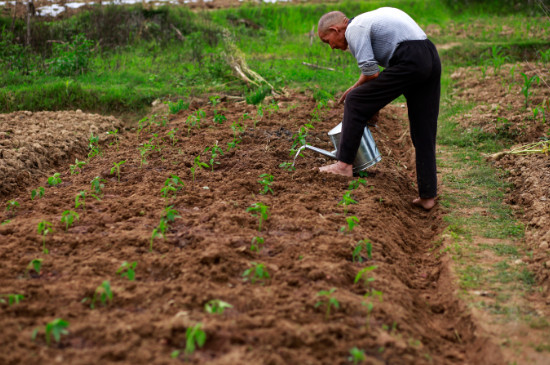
(214, 100)
(143, 152)
(11, 206)
(172, 135)
(216, 306)
(36, 265)
(257, 273)
(261, 211)
(194, 120)
(115, 134)
(178, 106)
(256, 244)
(170, 215)
(299, 139)
(54, 180)
(55, 328)
(127, 270)
(327, 298)
(526, 88)
(219, 118)
(347, 200)
(197, 164)
(362, 245)
(12, 298)
(97, 186)
(266, 180)
(116, 168)
(215, 151)
(497, 58)
(354, 184)
(38, 192)
(102, 293)
(68, 217)
(544, 56)
(144, 122)
(194, 336)
(352, 222)
(236, 127)
(171, 186)
(363, 274)
(356, 356)
(93, 145)
(288, 166)
(80, 200)
(44, 227)
(77, 167)
(233, 143)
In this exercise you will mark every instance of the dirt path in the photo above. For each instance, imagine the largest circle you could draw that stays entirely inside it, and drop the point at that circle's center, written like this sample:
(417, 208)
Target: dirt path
(416, 319)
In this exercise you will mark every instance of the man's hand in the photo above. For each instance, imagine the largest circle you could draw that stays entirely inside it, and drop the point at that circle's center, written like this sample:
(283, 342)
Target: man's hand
(345, 94)
(361, 81)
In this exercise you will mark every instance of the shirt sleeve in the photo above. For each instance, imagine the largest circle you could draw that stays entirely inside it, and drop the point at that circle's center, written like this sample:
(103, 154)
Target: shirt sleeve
(360, 46)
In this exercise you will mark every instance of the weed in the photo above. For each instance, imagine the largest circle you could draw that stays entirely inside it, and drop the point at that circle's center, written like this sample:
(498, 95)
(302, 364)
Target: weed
(526, 88)
(127, 270)
(93, 144)
(331, 301)
(363, 274)
(68, 218)
(178, 106)
(44, 227)
(97, 186)
(356, 356)
(77, 167)
(35, 264)
(54, 180)
(55, 328)
(12, 298)
(362, 245)
(259, 210)
(256, 273)
(172, 134)
(11, 206)
(215, 151)
(197, 164)
(38, 192)
(102, 293)
(256, 244)
(116, 168)
(266, 181)
(352, 222)
(216, 306)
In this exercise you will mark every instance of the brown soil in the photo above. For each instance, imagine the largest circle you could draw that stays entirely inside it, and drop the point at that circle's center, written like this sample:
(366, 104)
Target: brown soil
(207, 249)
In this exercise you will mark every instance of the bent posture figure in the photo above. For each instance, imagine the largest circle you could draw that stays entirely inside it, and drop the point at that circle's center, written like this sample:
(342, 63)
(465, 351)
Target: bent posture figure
(390, 38)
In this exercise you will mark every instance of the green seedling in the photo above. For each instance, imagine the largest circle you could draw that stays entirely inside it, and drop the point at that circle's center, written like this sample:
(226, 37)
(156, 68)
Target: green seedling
(171, 186)
(93, 144)
(327, 298)
(5, 222)
(97, 186)
(143, 151)
(116, 168)
(43, 229)
(127, 270)
(141, 125)
(102, 293)
(80, 200)
(259, 210)
(194, 336)
(347, 200)
(178, 106)
(352, 222)
(12, 298)
(57, 327)
(219, 118)
(299, 139)
(214, 100)
(38, 192)
(363, 274)
(288, 166)
(68, 217)
(257, 244)
(257, 273)
(172, 135)
(356, 356)
(266, 181)
(362, 245)
(115, 134)
(54, 180)
(36, 265)
(194, 120)
(356, 183)
(544, 56)
(197, 164)
(11, 206)
(236, 127)
(77, 167)
(526, 88)
(497, 58)
(216, 306)
(233, 143)
(259, 114)
(215, 151)
(170, 215)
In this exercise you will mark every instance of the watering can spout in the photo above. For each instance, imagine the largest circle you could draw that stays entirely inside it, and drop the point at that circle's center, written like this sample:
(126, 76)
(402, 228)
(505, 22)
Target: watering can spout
(322, 151)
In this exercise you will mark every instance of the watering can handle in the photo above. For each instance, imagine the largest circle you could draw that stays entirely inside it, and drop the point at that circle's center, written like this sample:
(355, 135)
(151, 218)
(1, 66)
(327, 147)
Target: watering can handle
(321, 151)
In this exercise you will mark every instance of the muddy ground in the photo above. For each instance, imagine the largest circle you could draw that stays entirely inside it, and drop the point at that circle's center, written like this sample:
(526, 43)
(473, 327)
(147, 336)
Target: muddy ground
(417, 320)
(502, 111)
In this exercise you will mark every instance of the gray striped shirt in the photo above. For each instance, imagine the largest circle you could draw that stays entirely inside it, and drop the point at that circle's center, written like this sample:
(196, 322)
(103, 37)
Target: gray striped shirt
(373, 37)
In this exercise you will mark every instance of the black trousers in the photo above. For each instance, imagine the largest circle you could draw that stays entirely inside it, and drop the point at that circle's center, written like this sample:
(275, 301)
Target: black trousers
(414, 71)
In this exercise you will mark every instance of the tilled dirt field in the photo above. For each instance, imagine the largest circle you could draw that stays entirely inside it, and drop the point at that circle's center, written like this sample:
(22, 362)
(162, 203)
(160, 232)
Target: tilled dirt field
(417, 320)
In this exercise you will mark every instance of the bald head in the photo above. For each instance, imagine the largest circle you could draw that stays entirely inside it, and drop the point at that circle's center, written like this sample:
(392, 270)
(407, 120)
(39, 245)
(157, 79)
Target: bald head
(331, 19)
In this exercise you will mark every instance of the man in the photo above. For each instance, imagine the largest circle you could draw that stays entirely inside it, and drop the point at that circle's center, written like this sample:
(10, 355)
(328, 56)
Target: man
(390, 38)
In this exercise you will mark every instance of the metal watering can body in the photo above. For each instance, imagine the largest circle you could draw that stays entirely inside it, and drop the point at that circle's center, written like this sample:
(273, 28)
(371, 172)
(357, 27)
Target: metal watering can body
(367, 154)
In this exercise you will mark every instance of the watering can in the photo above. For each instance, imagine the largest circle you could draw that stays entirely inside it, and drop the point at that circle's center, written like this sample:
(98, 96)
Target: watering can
(367, 154)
